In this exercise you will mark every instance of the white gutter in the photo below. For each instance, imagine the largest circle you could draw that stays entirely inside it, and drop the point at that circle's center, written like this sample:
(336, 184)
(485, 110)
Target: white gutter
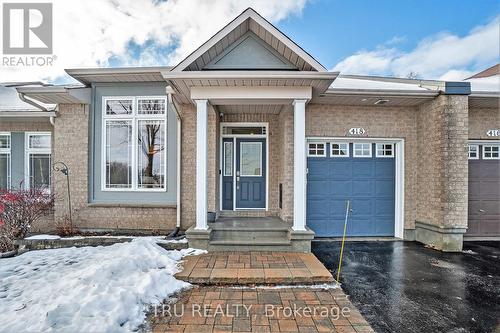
(32, 103)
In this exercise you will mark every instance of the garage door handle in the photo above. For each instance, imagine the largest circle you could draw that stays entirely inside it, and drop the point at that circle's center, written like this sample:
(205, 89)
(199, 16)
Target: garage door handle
(481, 210)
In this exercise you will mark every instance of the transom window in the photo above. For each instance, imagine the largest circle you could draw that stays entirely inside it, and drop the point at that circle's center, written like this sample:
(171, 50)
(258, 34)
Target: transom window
(134, 143)
(385, 150)
(316, 149)
(491, 152)
(362, 150)
(473, 152)
(339, 149)
(4, 161)
(38, 160)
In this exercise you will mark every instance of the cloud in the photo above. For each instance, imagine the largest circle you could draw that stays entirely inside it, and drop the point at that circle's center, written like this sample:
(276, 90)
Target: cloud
(100, 33)
(441, 56)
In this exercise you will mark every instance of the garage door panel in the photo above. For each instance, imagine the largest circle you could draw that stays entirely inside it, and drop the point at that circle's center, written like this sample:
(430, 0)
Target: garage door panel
(367, 182)
(362, 168)
(340, 188)
(384, 188)
(384, 168)
(362, 188)
(484, 197)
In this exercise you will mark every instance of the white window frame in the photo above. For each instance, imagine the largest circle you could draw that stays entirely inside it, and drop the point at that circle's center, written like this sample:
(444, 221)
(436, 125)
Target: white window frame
(491, 158)
(316, 149)
(8, 152)
(134, 117)
(36, 151)
(384, 156)
(370, 144)
(339, 143)
(224, 159)
(260, 158)
(469, 151)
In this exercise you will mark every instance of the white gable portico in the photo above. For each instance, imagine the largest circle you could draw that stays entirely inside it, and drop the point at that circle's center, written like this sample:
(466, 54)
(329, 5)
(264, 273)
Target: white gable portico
(251, 69)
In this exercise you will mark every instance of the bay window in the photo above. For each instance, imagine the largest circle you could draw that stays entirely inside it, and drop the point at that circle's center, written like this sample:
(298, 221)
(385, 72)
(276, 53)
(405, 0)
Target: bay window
(38, 160)
(134, 141)
(4, 161)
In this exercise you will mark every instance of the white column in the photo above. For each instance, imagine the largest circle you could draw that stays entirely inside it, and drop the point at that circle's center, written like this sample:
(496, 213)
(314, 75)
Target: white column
(201, 163)
(299, 164)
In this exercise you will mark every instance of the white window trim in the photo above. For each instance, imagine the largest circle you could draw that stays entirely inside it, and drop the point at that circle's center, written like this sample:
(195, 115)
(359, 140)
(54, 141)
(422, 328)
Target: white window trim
(134, 117)
(477, 151)
(260, 159)
(339, 143)
(224, 159)
(384, 156)
(370, 144)
(8, 151)
(491, 158)
(316, 143)
(28, 151)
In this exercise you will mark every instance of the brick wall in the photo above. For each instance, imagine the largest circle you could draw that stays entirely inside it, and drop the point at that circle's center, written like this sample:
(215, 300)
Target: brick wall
(481, 120)
(442, 161)
(378, 122)
(71, 145)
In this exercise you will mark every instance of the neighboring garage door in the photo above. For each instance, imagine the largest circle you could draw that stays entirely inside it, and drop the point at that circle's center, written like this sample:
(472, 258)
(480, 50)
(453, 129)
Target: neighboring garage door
(363, 173)
(484, 188)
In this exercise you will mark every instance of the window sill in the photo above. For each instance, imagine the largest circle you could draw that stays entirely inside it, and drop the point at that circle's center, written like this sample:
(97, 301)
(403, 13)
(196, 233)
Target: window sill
(129, 205)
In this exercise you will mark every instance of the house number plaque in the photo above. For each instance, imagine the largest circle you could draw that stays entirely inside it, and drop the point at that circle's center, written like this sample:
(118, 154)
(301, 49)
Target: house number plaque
(493, 132)
(357, 131)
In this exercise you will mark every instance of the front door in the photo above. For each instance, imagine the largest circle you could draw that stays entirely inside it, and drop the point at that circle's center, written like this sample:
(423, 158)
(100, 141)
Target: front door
(250, 176)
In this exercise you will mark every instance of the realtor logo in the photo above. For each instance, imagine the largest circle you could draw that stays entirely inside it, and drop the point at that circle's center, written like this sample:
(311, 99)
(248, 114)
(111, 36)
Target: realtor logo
(27, 28)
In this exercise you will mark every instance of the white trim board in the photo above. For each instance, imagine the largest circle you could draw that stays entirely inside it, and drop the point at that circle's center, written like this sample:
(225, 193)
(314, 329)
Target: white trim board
(399, 193)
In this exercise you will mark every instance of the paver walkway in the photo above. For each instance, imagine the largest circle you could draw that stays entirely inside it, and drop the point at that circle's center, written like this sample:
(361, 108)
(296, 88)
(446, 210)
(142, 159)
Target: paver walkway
(254, 268)
(225, 309)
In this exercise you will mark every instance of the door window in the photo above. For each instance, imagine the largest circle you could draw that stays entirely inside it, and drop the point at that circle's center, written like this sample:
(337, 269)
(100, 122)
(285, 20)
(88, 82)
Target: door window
(251, 159)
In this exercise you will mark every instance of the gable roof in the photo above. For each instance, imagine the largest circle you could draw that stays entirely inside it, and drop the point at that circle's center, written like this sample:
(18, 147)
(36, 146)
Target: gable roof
(492, 71)
(249, 20)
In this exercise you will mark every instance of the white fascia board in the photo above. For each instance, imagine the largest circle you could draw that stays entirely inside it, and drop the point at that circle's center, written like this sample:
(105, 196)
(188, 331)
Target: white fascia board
(380, 92)
(250, 93)
(31, 114)
(247, 75)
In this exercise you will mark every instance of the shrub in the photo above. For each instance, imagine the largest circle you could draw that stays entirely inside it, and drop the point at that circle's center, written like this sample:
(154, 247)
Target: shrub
(19, 209)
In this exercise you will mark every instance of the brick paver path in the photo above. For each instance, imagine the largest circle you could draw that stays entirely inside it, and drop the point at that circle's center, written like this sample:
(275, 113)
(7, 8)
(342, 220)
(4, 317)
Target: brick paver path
(254, 268)
(224, 309)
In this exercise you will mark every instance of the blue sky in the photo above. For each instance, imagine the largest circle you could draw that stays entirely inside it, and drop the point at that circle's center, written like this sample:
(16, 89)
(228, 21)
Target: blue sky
(433, 39)
(334, 30)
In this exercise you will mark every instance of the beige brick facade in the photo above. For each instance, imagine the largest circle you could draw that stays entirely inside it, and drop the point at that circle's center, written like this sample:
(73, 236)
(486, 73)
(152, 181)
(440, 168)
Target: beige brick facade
(482, 120)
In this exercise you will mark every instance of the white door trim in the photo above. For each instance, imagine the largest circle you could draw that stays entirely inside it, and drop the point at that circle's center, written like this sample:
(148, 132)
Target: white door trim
(399, 143)
(235, 136)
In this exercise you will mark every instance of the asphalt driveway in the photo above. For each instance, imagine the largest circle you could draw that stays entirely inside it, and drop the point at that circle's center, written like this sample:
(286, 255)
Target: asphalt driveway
(405, 287)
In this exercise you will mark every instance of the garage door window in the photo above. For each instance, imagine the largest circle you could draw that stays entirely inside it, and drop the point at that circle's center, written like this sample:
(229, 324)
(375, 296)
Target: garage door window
(316, 150)
(362, 150)
(491, 152)
(385, 150)
(473, 152)
(339, 149)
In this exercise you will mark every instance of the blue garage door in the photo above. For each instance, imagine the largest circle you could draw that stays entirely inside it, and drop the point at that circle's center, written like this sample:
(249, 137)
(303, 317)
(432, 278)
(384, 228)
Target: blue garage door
(363, 173)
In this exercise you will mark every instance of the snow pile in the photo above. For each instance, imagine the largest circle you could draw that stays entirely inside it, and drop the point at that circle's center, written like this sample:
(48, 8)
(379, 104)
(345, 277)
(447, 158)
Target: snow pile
(105, 289)
(43, 237)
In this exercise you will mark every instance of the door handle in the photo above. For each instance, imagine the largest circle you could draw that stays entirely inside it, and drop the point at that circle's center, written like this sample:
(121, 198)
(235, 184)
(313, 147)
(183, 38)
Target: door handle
(481, 210)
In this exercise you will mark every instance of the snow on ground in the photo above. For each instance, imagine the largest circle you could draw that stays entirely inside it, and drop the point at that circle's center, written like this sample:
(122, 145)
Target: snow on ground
(43, 237)
(87, 289)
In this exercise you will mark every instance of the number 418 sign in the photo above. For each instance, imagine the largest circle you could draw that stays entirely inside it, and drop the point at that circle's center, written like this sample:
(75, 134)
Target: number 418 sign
(493, 132)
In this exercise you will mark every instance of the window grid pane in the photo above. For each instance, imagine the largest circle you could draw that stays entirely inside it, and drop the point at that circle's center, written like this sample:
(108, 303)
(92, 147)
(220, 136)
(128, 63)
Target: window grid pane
(491, 152)
(4, 171)
(119, 107)
(118, 154)
(151, 106)
(228, 158)
(39, 171)
(340, 149)
(316, 149)
(4, 141)
(384, 150)
(362, 150)
(151, 154)
(39, 141)
(473, 151)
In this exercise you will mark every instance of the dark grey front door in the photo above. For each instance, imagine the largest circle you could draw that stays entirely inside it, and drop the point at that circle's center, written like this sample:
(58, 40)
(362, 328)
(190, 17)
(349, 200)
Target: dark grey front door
(484, 191)
(250, 173)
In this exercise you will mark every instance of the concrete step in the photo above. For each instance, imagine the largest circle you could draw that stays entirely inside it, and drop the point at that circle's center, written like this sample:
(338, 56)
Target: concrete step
(249, 246)
(249, 234)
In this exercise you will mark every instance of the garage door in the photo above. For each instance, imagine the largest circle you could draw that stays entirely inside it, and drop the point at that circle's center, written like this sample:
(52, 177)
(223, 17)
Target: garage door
(484, 188)
(363, 173)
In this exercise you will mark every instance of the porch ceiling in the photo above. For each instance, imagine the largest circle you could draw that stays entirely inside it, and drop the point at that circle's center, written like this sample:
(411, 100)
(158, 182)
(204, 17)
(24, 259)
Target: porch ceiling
(250, 109)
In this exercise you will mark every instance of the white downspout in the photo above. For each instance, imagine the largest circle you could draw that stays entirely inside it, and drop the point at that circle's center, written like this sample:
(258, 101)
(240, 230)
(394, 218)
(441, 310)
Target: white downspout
(179, 155)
